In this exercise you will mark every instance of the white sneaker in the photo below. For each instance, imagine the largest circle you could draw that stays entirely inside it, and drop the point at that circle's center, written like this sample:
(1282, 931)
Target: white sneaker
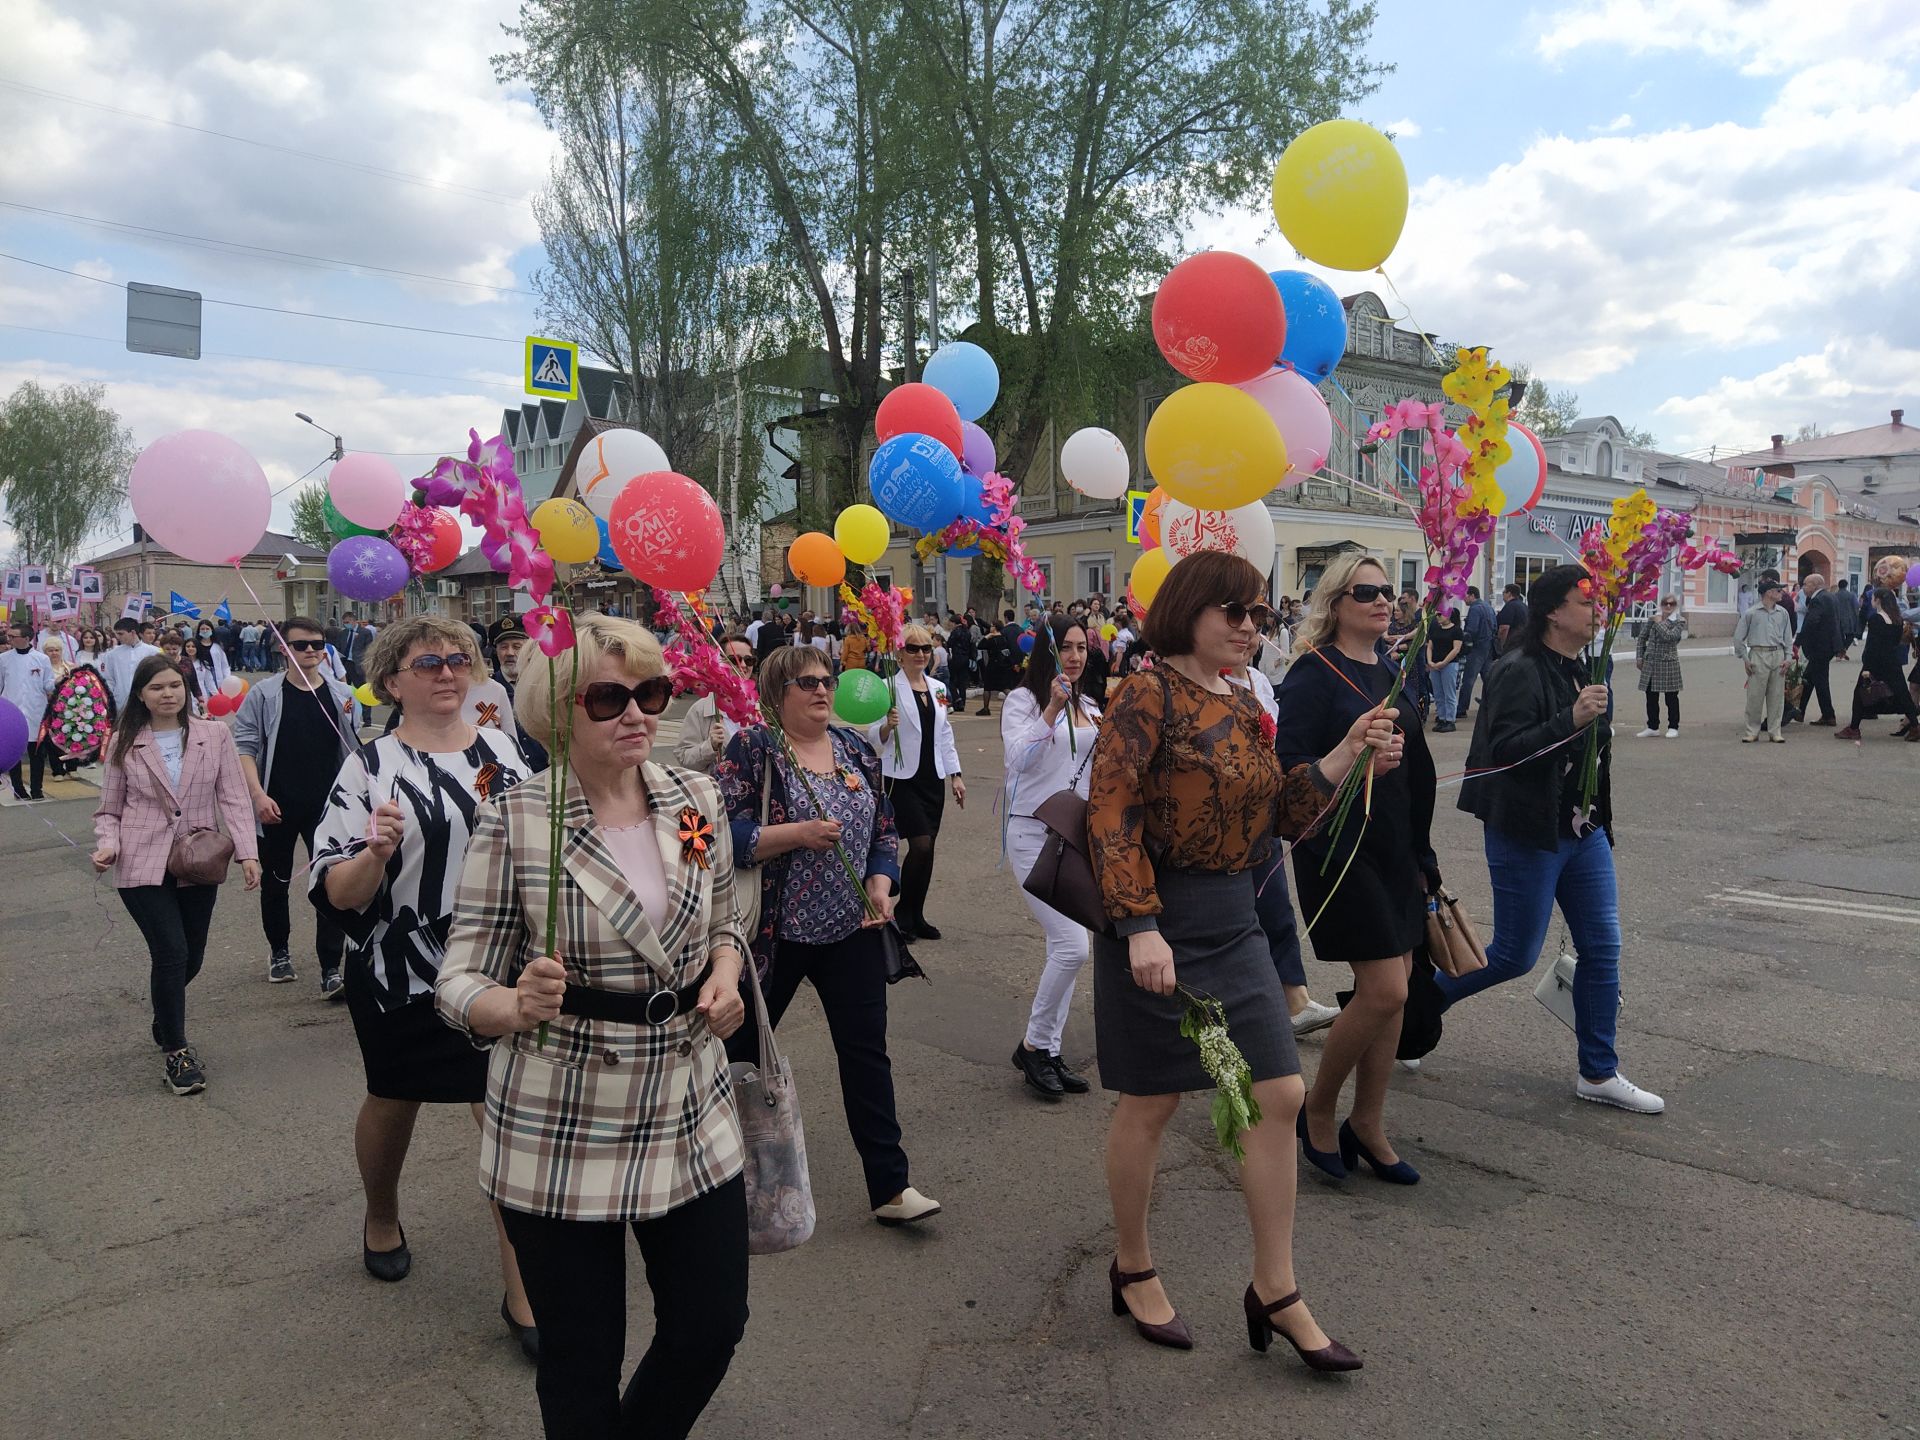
(911, 1206)
(1314, 1016)
(1619, 1091)
(1412, 1067)
(1645, 733)
(1673, 734)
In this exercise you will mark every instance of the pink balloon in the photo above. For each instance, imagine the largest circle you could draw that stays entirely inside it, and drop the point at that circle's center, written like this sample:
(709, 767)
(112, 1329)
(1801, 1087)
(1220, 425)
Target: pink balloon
(1301, 417)
(667, 531)
(200, 495)
(367, 490)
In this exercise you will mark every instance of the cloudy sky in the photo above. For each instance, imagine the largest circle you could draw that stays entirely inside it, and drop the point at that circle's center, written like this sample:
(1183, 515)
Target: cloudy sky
(1700, 214)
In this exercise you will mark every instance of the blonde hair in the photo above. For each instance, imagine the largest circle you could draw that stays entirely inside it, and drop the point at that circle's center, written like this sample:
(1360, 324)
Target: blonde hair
(54, 649)
(1319, 626)
(916, 635)
(390, 646)
(542, 689)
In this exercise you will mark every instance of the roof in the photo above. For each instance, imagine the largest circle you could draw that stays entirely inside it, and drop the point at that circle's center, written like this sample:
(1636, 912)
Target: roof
(272, 546)
(1876, 442)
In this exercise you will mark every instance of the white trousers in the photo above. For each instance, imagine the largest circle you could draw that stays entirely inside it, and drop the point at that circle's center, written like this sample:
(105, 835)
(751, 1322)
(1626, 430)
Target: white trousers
(1066, 942)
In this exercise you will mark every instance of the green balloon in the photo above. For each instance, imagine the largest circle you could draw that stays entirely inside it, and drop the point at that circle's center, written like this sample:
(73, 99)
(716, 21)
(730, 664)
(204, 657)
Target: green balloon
(861, 697)
(343, 528)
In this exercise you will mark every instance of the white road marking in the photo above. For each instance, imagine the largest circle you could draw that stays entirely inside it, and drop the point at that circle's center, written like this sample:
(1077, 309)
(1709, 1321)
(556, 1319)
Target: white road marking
(1822, 907)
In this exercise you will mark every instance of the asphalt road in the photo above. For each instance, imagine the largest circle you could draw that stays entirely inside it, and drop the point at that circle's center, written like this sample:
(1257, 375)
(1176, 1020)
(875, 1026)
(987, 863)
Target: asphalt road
(1743, 1266)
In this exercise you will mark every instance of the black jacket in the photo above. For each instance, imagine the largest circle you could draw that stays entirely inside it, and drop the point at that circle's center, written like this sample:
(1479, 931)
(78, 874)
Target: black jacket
(1529, 707)
(1826, 630)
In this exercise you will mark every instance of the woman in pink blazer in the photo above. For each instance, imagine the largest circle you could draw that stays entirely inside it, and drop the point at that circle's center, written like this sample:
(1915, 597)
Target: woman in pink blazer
(168, 774)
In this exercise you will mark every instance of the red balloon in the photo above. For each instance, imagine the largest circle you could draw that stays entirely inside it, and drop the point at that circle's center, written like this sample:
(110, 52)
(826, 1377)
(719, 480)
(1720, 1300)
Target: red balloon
(667, 531)
(1218, 317)
(219, 705)
(922, 410)
(444, 548)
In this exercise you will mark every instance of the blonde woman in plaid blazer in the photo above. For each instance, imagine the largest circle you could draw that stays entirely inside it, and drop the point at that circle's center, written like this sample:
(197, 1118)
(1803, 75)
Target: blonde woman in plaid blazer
(624, 1116)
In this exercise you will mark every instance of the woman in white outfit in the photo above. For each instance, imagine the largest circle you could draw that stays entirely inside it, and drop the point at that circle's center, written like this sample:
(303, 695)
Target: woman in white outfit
(920, 760)
(1047, 727)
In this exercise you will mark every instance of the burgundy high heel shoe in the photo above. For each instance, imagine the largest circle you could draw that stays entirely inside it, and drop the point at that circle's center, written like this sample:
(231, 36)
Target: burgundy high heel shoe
(1174, 1334)
(1331, 1358)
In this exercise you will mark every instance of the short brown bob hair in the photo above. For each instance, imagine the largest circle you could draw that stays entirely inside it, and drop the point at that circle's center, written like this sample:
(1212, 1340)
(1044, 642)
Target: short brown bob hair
(1209, 577)
(787, 663)
(389, 649)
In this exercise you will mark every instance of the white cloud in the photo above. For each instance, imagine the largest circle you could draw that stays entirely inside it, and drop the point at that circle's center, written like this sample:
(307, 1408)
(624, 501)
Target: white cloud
(1847, 384)
(1403, 129)
(1613, 126)
(1761, 37)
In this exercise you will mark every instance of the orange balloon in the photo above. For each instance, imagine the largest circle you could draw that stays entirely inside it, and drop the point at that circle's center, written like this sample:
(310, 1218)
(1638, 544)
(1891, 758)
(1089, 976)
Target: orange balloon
(816, 559)
(1150, 514)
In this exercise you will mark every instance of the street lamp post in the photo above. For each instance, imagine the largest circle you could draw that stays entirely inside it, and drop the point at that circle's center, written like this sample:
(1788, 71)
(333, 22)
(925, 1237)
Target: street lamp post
(339, 450)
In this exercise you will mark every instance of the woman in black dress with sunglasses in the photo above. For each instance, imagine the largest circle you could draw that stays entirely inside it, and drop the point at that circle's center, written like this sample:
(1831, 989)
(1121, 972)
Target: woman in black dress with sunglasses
(921, 761)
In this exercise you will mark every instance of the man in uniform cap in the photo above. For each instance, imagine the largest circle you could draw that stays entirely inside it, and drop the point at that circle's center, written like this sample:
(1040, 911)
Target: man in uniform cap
(509, 638)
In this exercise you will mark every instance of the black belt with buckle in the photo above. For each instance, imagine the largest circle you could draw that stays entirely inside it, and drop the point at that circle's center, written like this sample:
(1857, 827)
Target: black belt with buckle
(632, 1007)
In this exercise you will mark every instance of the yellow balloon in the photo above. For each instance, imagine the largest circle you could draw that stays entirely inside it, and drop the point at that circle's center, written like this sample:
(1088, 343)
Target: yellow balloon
(567, 531)
(1149, 574)
(1340, 195)
(364, 694)
(1107, 632)
(1214, 447)
(861, 533)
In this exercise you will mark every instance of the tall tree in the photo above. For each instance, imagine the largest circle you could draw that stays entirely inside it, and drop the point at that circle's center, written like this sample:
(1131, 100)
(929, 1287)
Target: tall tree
(310, 516)
(64, 457)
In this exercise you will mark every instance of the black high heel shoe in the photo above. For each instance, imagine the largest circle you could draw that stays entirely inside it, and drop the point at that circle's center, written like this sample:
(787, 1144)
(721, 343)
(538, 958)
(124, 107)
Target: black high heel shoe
(389, 1265)
(1174, 1334)
(1332, 1358)
(527, 1335)
(1351, 1149)
(1327, 1161)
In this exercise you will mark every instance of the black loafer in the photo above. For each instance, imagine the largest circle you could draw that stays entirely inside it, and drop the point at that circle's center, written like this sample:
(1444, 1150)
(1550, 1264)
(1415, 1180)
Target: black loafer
(925, 930)
(527, 1335)
(1071, 1083)
(1037, 1067)
(389, 1265)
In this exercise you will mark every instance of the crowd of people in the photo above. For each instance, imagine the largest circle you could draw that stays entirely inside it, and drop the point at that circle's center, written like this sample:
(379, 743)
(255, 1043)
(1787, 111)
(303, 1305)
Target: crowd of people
(1205, 745)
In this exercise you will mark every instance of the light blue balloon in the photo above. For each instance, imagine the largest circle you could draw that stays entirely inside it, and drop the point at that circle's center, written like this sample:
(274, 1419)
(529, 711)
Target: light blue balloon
(916, 481)
(966, 375)
(606, 558)
(1316, 324)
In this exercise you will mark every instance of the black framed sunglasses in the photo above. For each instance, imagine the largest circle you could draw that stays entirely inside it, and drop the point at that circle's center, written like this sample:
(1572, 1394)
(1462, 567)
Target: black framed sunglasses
(306, 644)
(916, 649)
(1238, 613)
(1367, 594)
(812, 684)
(430, 665)
(607, 699)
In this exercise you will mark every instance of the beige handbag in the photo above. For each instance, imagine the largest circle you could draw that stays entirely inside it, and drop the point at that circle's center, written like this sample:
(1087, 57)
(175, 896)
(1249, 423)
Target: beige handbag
(780, 1212)
(1452, 943)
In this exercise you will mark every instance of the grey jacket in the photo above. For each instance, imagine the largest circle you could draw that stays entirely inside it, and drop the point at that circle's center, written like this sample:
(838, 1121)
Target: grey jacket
(256, 725)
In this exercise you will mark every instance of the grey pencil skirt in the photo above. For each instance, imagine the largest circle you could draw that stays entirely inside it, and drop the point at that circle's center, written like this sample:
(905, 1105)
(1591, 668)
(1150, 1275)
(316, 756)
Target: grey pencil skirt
(1220, 950)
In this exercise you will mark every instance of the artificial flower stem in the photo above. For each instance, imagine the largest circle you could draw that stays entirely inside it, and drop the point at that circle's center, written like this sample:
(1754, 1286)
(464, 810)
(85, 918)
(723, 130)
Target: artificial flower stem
(556, 805)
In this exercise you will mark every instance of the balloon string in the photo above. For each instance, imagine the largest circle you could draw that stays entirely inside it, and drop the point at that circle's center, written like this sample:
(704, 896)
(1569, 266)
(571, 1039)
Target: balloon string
(1418, 328)
(352, 742)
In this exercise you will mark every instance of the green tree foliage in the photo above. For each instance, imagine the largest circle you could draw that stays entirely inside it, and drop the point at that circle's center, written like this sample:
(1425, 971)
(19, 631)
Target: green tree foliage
(64, 457)
(310, 516)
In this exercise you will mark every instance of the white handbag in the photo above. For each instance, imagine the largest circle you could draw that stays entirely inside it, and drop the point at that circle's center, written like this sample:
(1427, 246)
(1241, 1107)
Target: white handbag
(1555, 990)
(780, 1209)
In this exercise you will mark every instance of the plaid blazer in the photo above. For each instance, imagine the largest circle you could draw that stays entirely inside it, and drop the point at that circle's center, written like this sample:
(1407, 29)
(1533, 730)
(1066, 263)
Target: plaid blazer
(610, 1121)
(141, 811)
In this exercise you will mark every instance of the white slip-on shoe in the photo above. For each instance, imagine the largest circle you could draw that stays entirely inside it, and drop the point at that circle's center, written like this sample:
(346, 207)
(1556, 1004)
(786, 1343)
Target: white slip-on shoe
(1412, 1067)
(911, 1206)
(1314, 1016)
(1646, 732)
(1673, 734)
(1618, 1091)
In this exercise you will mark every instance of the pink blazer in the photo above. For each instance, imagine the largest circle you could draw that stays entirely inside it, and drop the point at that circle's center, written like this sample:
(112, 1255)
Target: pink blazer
(140, 812)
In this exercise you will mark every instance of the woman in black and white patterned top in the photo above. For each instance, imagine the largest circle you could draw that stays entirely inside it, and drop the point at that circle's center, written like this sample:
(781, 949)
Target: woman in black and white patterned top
(386, 864)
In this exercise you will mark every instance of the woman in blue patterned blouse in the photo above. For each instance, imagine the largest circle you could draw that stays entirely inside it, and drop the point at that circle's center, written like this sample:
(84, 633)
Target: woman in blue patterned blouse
(813, 922)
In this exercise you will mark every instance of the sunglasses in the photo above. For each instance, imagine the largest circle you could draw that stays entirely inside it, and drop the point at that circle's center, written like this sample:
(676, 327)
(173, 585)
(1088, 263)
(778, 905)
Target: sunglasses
(430, 665)
(812, 684)
(1237, 613)
(306, 644)
(607, 699)
(1367, 594)
(744, 662)
(1668, 604)
(916, 649)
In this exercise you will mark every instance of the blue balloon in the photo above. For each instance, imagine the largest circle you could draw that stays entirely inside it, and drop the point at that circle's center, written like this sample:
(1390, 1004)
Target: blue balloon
(966, 375)
(1026, 643)
(1316, 324)
(606, 559)
(916, 481)
(965, 552)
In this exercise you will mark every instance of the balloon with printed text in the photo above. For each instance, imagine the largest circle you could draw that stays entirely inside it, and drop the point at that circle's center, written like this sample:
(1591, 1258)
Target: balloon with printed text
(916, 481)
(1218, 317)
(1247, 532)
(567, 530)
(1340, 195)
(861, 697)
(1214, 447)
(667, 532)
(610, 461)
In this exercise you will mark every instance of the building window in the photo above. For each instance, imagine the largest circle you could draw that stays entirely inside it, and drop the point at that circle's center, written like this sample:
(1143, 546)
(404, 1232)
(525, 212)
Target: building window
(1857, 573)
(1603, 460)
(1410, 572)
(1529, 568)
(1095, 574)
(1407, 473)
(1719, 588)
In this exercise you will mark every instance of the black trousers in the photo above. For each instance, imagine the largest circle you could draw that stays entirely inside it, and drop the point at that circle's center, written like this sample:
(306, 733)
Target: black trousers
(1653, 709)
(37, 753)
(850, 978)
(276, 876)
(174, 918)
(1818, 683)
(575, 1272)
(958, 673)
(1890, 676)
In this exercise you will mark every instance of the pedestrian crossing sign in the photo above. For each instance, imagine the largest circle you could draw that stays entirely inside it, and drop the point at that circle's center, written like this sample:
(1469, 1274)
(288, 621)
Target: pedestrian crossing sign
(553, 368)
(1136, 508)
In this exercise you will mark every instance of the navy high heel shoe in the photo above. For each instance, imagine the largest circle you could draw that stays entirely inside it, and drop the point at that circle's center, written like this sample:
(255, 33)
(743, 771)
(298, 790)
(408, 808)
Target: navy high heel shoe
(1327, 1161)
(1398, 1173)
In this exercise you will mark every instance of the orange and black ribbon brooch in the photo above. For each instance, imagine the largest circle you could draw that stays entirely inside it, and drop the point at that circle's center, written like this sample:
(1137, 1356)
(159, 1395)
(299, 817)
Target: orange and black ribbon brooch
(483, 779)
(696, 838)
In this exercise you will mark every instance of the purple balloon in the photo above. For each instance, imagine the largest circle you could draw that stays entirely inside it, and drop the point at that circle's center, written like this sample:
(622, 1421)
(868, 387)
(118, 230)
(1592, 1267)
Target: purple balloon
(365, 567)
(1913, 576)
(13, 734)
(976, 449)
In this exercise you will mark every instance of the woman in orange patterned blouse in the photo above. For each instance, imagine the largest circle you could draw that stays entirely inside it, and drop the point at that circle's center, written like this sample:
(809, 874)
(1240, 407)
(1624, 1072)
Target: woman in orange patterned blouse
(1185, 765)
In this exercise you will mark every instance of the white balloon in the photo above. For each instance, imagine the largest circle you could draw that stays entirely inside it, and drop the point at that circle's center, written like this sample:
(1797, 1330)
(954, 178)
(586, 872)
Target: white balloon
(609, 460)
(1095, 463)
(1246, 532)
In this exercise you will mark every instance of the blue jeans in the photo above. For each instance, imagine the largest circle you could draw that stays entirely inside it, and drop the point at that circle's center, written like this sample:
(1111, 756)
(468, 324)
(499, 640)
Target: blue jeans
(1473, 664)
(1446, 690)
(1274, 906)
(1526, 883)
